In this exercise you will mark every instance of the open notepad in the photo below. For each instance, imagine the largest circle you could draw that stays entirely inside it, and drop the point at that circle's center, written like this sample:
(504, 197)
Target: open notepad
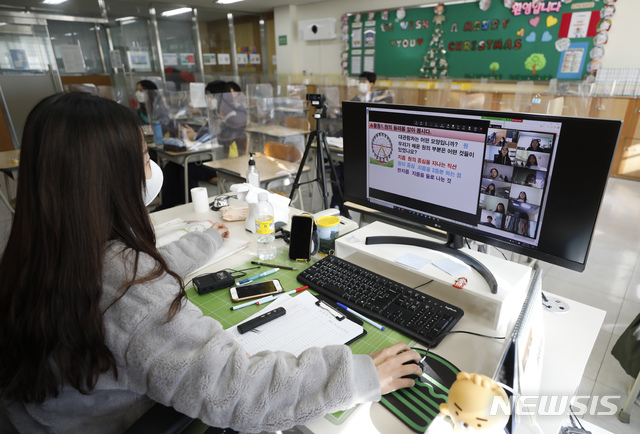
(173, 230)
(308, 323)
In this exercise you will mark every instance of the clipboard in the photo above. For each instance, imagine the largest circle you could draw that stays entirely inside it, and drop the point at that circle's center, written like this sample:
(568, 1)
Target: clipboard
(309, 322)
(345, 315)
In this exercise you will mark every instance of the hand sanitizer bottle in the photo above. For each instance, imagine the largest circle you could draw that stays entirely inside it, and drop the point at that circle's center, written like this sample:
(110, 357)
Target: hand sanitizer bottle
(253, 176)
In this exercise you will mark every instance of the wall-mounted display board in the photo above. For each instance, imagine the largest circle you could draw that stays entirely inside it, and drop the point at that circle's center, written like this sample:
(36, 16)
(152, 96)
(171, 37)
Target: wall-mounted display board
(501, 39)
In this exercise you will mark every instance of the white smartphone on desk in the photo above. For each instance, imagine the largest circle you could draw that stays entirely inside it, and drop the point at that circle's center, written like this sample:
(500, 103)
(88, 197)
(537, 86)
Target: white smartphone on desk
(255, 290)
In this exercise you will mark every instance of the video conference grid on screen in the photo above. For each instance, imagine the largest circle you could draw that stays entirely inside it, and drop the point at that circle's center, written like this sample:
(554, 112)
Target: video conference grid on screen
(491, 174)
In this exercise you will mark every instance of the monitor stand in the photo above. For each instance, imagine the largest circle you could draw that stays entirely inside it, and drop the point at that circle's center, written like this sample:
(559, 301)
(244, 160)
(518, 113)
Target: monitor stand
(452, 247)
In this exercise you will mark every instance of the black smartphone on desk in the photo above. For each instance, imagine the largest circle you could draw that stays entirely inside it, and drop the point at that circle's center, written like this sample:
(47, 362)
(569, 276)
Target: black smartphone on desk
(301, 235)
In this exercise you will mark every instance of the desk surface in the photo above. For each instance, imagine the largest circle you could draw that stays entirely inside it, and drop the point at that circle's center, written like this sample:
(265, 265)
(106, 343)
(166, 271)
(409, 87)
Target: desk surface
(564, 358)
(275, 130)
(270, 168)
(9, 160)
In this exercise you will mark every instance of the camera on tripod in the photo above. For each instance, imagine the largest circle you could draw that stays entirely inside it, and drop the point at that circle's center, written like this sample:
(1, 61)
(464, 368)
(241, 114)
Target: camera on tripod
(318, 101)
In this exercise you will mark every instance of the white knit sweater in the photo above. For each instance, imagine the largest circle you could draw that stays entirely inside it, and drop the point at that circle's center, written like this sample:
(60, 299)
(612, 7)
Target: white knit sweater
(192, 364)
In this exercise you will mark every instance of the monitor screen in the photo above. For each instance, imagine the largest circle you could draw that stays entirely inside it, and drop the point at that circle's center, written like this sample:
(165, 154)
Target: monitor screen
(529, 183)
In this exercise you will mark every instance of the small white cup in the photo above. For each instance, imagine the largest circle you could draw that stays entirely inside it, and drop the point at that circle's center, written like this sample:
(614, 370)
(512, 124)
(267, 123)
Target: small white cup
(200, 199)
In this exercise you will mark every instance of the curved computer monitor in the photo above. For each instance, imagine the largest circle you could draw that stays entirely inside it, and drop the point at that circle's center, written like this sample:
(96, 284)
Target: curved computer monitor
(529, 183)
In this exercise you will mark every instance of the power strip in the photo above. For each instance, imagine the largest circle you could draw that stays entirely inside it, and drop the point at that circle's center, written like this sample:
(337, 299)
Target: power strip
(555, 305)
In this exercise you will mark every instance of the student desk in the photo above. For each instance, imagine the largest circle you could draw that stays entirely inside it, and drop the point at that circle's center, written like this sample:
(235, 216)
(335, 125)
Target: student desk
(9, 162)
(277, 131)
(203, 152)
(270, 169)
(569, 338)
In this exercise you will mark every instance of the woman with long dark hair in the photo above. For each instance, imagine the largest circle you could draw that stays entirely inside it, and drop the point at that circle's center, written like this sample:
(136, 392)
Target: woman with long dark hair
(94, 323)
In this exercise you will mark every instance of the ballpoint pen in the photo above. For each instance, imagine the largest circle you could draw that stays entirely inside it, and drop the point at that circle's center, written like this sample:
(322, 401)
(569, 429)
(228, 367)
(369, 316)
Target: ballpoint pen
(240, 306)
(269, 298)
(362, 317)
(264, 264)
(257, 276)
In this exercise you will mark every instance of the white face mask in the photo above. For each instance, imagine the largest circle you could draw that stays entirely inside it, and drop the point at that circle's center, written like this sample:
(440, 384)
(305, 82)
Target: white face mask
(363, 87)
(140, 97)
(154, 185)
(213, 104)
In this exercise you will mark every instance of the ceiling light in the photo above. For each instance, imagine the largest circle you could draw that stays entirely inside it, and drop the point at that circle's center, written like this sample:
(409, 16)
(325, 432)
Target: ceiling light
(173, 12)
(125, 19)
(53, 2)
(227, 2)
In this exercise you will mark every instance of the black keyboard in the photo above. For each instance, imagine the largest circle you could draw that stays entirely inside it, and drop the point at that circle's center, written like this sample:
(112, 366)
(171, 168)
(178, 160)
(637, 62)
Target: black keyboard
(406, 310)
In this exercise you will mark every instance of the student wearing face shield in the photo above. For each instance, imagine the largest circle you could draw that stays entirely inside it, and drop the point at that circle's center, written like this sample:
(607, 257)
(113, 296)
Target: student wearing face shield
(227, 122)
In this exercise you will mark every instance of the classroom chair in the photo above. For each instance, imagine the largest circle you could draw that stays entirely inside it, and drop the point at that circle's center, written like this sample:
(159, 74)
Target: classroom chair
(297, 123)
(289, 153)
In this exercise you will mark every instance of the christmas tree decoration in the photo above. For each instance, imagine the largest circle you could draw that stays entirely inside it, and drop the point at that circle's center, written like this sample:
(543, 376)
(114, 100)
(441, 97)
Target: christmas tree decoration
(435, 61)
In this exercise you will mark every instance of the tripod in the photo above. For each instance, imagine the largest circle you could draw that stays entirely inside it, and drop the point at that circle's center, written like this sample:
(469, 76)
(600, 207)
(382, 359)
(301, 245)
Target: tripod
(320, 137)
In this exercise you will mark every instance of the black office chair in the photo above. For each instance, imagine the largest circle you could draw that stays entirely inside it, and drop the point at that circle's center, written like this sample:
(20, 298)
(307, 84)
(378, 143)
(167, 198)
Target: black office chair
(160, 419)
(167, 420)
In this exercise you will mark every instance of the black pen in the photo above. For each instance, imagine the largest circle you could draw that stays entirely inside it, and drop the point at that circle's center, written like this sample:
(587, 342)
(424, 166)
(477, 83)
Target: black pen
(273, 265)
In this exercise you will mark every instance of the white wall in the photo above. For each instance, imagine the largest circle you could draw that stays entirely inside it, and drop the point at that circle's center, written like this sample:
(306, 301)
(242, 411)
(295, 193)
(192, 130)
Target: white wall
(323, 57)
(620, 51)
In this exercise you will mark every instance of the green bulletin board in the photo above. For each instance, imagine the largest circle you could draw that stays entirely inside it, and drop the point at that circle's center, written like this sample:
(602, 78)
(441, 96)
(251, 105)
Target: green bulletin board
(532, 40)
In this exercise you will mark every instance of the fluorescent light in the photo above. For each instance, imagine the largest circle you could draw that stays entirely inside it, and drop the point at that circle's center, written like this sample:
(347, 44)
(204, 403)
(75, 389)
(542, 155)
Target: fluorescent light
(173, 12)
(227, 2)
(53, 2)
(125, 19)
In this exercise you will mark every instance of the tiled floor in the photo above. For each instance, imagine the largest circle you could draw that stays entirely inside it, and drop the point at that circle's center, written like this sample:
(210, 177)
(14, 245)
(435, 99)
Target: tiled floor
(611, 282)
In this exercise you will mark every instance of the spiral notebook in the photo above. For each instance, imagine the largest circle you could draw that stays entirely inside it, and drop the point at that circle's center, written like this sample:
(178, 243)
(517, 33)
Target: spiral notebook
(308, 322)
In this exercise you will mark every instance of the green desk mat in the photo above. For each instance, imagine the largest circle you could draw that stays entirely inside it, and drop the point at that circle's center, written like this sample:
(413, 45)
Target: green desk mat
(417, 406)
(217, 305)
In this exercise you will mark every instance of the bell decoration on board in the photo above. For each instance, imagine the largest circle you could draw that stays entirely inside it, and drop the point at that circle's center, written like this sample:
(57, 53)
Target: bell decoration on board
(485, 5)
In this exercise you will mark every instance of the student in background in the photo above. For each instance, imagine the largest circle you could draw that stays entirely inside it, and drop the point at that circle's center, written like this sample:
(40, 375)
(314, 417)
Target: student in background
(238, 96)
(94, 324)
(489, 222)
(367, 94)
(532, 162)
(522, 197)
(230, 118)
(535, 145)
(227, 123)
(503, 156)
(490, 190)
(141, 87)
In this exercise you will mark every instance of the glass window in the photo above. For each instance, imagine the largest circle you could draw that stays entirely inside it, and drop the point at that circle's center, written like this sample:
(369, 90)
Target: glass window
(24, 49)
(178, 50)
(76, 47)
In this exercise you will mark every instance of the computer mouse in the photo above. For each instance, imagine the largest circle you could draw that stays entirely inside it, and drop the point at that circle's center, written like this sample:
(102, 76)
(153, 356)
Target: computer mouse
(412, 376)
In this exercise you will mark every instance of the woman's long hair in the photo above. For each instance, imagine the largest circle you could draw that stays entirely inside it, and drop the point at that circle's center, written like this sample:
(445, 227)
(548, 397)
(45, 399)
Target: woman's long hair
(81, 183)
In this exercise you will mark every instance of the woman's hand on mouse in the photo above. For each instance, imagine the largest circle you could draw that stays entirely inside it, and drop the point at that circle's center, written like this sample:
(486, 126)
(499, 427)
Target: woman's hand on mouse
(390, 364)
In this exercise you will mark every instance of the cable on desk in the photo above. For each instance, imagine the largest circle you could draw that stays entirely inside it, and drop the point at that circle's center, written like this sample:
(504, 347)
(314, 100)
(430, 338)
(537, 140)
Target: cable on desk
(458, 331)
(423, 284)
(239, 273)
(284, 234)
